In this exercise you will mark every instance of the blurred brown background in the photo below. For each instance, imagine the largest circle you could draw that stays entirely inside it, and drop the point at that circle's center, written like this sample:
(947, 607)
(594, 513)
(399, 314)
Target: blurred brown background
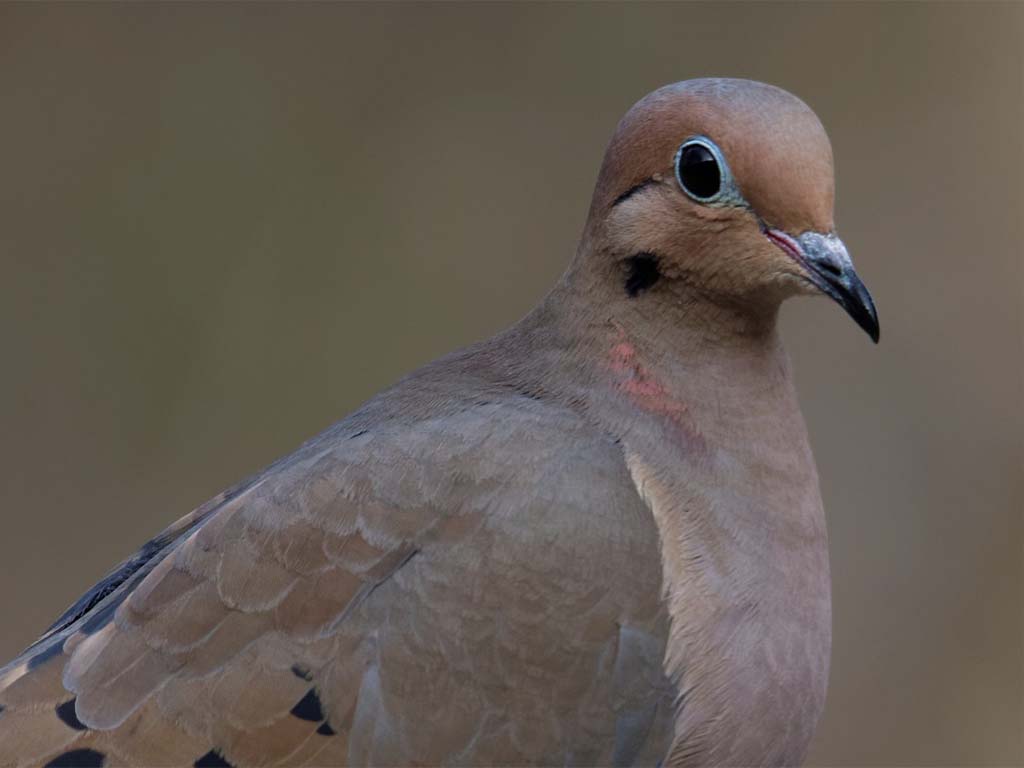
(224, 226)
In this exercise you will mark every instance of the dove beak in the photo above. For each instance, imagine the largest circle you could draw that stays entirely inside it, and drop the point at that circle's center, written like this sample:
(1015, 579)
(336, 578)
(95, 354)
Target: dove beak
(828, 266)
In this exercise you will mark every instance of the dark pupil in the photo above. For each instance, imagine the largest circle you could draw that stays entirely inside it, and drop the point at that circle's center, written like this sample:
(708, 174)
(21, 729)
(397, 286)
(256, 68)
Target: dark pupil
(698, 171)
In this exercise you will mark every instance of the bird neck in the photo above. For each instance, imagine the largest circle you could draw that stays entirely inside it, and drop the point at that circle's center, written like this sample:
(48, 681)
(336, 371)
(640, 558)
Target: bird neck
(702, 402)
(676, 382)
(591, 341)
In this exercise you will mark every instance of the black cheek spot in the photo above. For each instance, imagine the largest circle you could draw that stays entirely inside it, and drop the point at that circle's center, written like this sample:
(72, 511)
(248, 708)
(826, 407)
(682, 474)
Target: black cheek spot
(325, 729)
(642, 273)
(302, 671)
(77, 758)
(67, 715)
(309, 708)
(212, 759)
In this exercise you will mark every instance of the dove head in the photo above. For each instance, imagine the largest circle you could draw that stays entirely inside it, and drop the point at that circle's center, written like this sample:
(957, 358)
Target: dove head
(722, 189)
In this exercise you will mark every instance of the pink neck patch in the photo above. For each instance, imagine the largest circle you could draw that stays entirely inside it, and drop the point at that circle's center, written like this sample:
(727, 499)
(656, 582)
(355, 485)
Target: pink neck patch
(641, 386)
(642, 389)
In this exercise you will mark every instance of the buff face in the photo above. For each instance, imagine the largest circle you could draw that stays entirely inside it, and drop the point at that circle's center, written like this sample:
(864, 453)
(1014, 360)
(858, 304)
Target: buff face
(728, 185)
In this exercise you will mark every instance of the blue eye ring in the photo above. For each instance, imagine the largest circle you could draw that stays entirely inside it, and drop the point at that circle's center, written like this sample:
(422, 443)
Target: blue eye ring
(726, 193)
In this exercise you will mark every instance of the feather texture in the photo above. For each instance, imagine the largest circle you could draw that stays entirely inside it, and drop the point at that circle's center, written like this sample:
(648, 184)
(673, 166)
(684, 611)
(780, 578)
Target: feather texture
(594, 539)
(325, 616)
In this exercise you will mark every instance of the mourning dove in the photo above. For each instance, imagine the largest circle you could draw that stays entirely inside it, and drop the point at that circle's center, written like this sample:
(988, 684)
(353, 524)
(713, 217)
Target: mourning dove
(594, 539)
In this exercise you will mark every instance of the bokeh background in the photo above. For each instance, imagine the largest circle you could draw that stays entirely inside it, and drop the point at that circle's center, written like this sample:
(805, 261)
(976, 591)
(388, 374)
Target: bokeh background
(224, 226)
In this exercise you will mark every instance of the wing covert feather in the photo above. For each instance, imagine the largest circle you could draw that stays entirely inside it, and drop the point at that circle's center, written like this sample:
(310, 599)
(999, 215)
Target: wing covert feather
(431, 593)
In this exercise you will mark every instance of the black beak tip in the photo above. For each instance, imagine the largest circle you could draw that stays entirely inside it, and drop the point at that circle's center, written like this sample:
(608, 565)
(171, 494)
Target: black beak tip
(874, 331)
(861, 308)
(825, 257)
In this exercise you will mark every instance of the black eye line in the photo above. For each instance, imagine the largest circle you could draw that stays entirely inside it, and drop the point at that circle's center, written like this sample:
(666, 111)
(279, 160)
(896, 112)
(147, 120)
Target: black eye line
(633, 190)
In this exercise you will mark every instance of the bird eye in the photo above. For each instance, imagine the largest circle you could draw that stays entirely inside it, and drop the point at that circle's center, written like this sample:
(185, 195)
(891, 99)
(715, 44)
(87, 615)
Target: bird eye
(699, 169)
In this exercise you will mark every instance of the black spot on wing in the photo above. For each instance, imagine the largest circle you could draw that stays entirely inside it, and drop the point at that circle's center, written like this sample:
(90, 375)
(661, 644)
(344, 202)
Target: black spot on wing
(54, 649)
(212, 759)
(300, 671)
(77, 758)
(66, 712)
(325, 729)
(309, 708)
